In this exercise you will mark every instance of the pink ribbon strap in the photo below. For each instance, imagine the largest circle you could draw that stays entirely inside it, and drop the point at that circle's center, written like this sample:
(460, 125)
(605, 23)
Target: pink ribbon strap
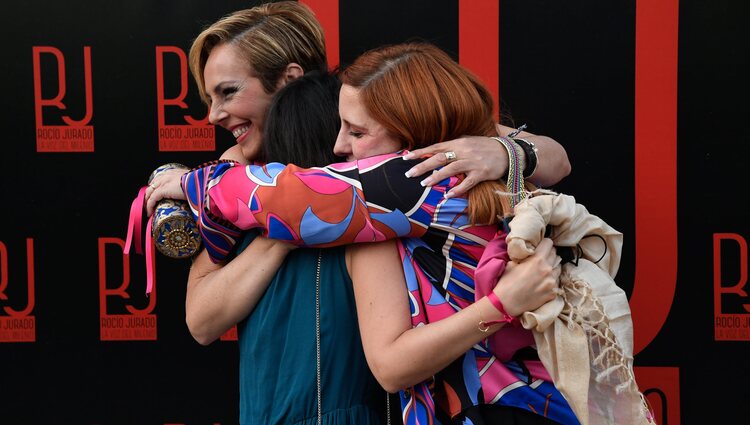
(507, 318)
(135, 224)
(150, 259)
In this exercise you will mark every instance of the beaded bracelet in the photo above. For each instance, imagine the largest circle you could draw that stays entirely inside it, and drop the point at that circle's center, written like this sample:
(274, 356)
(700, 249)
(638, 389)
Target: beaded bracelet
(507, 318)
(515, 182)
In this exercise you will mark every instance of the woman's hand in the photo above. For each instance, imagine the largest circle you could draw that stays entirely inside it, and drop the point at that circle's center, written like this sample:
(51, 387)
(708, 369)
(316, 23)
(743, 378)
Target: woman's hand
(530, 284)
(483, 159)
(479, 158)
(166, 185)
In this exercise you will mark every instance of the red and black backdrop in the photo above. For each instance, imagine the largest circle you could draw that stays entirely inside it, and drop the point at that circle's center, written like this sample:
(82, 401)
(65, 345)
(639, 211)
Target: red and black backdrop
(649, 97)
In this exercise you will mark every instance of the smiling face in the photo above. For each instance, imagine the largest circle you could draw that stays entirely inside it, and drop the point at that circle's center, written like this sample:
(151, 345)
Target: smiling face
(238, 101)
(360, 135)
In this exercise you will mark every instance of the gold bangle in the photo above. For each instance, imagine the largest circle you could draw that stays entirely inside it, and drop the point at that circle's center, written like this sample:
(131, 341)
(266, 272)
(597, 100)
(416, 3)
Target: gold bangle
(482, 325)
(521, 157)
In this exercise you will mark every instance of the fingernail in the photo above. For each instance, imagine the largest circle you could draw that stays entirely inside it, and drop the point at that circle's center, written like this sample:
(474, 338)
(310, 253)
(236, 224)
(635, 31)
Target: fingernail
(409, 173)
(426, 182)
(408, 156)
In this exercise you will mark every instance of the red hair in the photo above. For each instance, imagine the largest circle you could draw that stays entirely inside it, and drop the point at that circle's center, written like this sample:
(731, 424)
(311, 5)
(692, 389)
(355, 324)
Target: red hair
(422, 96)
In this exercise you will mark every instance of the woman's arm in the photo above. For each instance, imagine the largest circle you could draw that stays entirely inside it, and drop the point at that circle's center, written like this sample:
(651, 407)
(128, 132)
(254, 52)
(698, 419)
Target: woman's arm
(368, 200)
(219, 296)
(401, 356)
(320, 207)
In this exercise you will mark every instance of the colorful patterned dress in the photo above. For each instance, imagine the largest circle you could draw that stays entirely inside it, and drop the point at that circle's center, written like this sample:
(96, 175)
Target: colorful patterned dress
(372, 200)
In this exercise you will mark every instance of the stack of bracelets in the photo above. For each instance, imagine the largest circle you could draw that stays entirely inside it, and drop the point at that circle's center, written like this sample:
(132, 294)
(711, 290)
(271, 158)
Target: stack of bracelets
(522, 163)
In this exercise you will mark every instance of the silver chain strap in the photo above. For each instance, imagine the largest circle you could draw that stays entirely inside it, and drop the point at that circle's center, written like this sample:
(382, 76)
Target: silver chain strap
(317, 337)
(388, 407)
(317, 349)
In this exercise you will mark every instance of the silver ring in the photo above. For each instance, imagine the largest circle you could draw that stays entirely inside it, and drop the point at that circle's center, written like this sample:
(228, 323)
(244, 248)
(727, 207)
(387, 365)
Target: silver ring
(450, 156)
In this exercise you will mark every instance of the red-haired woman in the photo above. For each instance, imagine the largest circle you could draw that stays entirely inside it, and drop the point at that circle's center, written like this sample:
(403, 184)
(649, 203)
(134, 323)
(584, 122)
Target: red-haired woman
(407, 96)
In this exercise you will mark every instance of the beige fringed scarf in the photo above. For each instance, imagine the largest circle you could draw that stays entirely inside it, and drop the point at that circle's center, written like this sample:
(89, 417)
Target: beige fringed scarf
(585, 336)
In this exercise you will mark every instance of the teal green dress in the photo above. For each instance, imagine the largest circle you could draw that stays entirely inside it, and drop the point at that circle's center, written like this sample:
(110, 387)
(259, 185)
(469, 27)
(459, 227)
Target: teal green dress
(278, 352)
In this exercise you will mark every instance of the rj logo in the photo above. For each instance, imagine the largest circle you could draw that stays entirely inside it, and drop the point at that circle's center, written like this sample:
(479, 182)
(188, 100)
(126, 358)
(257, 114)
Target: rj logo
(73, 135)
(17, 325)
(196, 134)
(132, 323)
(731, 301)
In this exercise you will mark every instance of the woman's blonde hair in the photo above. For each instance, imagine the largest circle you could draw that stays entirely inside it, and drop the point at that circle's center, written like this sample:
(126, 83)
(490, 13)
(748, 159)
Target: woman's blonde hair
(269, 36)
(422, 96)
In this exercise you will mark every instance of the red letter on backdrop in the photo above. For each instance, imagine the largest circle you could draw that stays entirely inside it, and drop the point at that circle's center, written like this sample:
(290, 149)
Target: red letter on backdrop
(655, 143)
(479, 42)
(57, 100)
(739, 287)
(655, 167)
(479, 37)
(730, 325)
(198, 134)
(18, 325)
(661, 387)
(30, 278)
(76, 135)
(655, 136)
(327, 12)
(139, 324)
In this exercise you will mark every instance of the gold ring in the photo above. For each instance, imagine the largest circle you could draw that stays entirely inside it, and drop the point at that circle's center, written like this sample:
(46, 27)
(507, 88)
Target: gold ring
(450, 156)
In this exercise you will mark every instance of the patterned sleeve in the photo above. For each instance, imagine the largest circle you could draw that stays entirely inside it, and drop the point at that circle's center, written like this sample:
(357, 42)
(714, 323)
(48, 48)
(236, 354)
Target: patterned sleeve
(363, 201)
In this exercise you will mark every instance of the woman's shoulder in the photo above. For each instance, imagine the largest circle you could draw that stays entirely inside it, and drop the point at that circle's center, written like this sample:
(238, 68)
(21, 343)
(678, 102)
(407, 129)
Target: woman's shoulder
(234, 153)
